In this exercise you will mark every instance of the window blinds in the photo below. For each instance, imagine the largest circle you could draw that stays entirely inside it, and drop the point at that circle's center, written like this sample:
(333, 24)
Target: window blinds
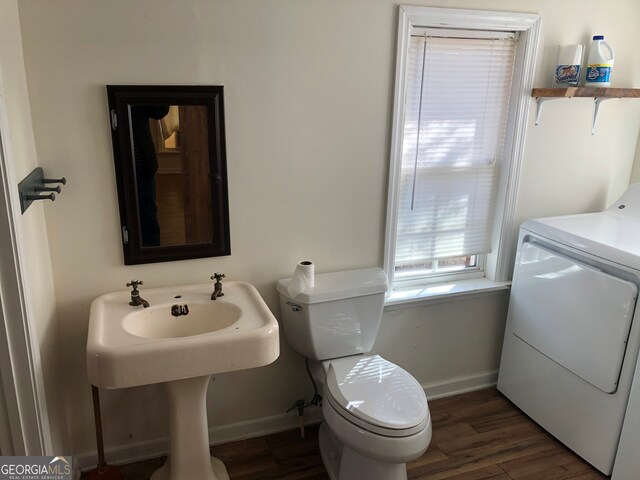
(457, 100)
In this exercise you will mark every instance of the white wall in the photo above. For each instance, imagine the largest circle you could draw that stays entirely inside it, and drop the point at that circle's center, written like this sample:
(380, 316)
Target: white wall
(36, 257)
(635, 172)
(308, 93)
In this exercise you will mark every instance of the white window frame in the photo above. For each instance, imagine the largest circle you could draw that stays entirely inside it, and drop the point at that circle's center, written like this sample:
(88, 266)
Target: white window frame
(497, 264)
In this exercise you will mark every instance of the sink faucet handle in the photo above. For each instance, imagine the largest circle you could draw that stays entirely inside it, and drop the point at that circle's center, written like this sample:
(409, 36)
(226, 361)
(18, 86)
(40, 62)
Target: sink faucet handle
(217, 287)
(136, 299)
(134, 284)
(218, 276)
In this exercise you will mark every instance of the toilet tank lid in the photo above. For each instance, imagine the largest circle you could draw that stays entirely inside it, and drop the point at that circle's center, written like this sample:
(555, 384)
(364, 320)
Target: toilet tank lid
(339, 285)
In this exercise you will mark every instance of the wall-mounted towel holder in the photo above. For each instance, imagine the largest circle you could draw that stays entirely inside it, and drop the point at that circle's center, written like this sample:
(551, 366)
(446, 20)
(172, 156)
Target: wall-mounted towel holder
(31, 188)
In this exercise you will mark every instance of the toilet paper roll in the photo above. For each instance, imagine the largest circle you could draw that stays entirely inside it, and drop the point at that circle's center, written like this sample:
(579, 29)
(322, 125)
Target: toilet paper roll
(302, 279)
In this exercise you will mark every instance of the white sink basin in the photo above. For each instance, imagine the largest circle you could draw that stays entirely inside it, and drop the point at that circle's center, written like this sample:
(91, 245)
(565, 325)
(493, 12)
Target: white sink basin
(129, 346)
(203, 317)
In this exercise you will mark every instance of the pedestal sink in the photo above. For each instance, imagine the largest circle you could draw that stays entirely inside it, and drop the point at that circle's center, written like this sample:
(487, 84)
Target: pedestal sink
(129, 346)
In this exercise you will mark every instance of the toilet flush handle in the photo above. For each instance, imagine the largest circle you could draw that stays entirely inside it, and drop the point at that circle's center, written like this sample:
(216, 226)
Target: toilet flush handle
(294, 306)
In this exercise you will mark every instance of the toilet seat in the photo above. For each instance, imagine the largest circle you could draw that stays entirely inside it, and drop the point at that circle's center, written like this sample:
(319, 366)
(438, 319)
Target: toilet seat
(377, 395)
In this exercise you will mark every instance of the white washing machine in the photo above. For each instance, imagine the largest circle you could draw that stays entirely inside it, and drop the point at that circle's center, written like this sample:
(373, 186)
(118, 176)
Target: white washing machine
(627, 465)
(573, 330)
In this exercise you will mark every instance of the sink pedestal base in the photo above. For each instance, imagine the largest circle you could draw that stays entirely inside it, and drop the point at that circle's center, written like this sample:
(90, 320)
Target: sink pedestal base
(189, 456)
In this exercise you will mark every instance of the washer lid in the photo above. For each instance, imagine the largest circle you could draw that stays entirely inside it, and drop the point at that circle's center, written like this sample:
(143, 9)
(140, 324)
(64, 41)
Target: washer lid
(605, 235)
(377, 392)
(611, 234)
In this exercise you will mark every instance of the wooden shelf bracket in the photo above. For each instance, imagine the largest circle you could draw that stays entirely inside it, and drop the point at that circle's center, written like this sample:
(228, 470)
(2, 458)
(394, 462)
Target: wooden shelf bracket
(596, 109)
(539, 102)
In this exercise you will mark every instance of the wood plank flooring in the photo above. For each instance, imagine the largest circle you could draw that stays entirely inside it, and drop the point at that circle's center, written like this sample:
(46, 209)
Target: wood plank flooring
(476, 436)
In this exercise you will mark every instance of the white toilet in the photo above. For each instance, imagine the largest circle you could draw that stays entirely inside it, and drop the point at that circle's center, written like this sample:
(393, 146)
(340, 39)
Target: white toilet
(376, 414)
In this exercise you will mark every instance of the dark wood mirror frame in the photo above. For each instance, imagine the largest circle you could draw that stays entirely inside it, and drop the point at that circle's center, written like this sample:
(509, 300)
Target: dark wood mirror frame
(121, 98)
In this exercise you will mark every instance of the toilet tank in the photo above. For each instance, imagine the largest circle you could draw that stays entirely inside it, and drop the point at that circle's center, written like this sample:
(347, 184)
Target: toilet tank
(339, 316)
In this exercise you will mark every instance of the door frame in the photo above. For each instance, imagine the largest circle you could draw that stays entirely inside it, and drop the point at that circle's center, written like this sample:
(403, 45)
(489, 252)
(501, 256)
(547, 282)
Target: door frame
(24, 420)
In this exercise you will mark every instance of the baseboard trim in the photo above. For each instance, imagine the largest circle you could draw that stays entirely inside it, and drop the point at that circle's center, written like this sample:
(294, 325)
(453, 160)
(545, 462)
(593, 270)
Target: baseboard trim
(458, 385)
(146, 449)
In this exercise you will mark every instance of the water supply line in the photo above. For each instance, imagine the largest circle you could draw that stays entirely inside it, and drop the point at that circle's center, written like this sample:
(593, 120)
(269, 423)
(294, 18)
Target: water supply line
(300, 404)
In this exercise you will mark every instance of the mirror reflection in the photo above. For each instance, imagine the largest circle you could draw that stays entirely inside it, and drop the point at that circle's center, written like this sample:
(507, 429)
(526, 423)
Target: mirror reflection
(171, 155)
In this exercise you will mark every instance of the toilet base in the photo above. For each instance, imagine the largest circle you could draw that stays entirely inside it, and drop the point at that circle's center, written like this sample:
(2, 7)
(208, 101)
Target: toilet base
(330, 451)
(343, 463)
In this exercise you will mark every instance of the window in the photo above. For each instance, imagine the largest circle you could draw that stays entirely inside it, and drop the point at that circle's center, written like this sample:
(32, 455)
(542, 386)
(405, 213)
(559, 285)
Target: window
(458, 127)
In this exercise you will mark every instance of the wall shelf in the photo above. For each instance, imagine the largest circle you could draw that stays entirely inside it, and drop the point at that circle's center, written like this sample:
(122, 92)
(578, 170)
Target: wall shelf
(599, 95)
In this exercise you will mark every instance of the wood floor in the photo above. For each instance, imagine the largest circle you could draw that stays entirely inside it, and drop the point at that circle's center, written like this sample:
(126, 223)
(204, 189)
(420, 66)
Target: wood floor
(476, 436)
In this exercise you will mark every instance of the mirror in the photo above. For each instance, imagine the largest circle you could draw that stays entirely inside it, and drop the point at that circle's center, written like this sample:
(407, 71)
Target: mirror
(170, 161)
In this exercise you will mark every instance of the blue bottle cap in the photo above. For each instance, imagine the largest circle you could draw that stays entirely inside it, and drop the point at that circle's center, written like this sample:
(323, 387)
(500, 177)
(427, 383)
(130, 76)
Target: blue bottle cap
(598, 37)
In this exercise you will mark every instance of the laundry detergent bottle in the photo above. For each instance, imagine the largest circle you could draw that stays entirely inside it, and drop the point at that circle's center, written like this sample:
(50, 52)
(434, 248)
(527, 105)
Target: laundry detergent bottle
(600, 63)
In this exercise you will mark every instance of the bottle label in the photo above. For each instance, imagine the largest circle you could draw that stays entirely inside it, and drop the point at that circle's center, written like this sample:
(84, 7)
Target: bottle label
(567, 74)
(598, 73)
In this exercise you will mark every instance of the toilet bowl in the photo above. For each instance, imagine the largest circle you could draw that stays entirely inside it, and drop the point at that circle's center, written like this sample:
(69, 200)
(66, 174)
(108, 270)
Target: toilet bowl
(376, 415)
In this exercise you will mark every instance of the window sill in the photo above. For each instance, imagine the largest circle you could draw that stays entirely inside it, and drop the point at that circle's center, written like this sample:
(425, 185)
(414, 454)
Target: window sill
(416, 296)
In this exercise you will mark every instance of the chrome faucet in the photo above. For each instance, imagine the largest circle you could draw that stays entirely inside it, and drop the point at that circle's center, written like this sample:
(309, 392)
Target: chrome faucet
(136, 299)
(217, 287)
